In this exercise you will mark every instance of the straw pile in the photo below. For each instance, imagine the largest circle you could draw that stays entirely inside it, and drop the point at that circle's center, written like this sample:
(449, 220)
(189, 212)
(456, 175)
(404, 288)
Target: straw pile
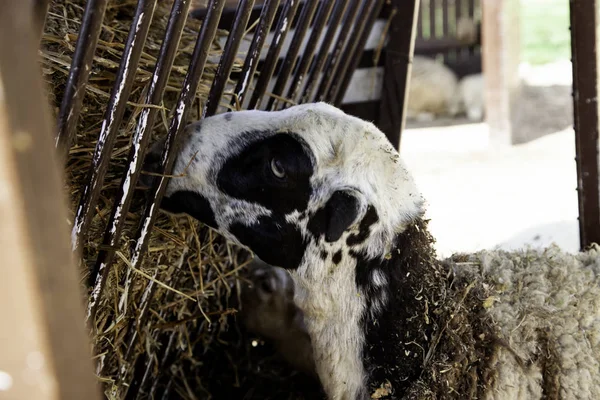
(195, 274)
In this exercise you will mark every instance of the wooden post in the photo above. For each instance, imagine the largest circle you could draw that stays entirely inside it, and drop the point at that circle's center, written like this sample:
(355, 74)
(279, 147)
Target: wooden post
(44, 351)
(500, 53)
(584, 50)
(398, 64)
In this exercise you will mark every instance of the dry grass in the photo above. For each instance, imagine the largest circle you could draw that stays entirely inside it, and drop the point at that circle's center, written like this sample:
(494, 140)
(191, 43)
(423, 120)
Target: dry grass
(191, 272)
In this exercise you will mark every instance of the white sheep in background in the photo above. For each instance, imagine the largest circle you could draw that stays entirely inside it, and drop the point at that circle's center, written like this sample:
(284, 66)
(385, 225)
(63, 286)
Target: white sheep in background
(268, 309)
(471, 89)
(326, 196)
(432, 91)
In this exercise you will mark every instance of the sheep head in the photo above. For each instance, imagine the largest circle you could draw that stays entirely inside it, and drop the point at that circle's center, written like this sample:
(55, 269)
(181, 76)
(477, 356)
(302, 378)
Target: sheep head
(284, 182)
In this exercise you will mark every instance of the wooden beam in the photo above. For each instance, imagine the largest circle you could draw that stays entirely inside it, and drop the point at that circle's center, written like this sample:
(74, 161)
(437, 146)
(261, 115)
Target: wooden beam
(44, 350)
(500, 58)
(398, 64)
(584, 48)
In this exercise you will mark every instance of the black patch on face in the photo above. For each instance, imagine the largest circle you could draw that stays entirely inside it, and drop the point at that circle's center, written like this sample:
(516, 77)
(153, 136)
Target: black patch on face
(337, 257)
(274, 240)
(249, 175)
(335, 217)
(364, 228)
(323, 255)
(191, 203)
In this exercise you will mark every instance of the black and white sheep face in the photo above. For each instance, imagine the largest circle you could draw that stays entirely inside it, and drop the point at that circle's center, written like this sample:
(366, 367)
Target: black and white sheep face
(279, 182)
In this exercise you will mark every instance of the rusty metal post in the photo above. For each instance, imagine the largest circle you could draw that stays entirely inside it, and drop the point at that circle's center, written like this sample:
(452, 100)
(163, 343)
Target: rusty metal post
(45, 352)
(584, 47)
(399, 54)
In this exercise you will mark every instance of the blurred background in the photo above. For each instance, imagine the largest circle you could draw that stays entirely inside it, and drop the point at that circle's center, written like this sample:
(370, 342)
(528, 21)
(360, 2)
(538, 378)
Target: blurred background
(486, 196)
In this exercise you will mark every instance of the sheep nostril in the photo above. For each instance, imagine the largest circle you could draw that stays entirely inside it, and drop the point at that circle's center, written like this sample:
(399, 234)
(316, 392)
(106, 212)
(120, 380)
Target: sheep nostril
(267, 285)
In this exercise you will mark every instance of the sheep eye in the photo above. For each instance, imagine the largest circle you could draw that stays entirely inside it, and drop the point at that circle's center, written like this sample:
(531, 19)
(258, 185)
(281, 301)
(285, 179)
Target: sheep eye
(277, 168)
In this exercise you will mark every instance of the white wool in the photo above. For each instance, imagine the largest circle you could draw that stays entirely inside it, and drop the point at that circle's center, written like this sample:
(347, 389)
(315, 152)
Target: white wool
(471, 89)
(432, 90)
(550, 292)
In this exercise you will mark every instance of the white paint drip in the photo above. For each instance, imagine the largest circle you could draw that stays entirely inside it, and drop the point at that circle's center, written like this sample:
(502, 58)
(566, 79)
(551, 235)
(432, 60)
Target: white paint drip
(119, 92)
(95, 293)
(281, 31)
(246, 77)
(76, 230)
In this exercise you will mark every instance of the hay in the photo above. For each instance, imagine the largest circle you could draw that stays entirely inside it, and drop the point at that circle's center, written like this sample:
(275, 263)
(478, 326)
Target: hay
(193, 272)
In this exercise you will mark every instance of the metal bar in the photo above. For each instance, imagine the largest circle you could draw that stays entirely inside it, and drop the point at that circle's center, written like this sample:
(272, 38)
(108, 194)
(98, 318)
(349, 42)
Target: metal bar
(357, 47)
(112, 119)
(584, 50)
(399, 54)
(184, 103)
(44, 346)
(283, 26)
(164, 360)
(290, 59)
(323, 54)
(352, 18)
(311, 46)
(260, 35)
(140, 141)
(226, 63)
(144, 305)
(70, 107)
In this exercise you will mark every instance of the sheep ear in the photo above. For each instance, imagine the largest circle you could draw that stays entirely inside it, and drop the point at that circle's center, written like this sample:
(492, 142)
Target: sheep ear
(341, 211)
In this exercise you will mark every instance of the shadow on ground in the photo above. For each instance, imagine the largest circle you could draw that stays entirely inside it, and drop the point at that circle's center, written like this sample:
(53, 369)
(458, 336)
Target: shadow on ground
(542, 110)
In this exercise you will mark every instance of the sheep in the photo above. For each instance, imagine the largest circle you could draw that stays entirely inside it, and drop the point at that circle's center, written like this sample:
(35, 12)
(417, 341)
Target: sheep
(432, 90)
(325, 196)
(468, 32)
(471, 90)
(268, 309)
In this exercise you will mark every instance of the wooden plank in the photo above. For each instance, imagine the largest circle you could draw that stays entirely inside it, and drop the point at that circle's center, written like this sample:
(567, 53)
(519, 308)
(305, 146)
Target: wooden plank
(500, 49)
(584, 47)
(399, 54)
(43, 343)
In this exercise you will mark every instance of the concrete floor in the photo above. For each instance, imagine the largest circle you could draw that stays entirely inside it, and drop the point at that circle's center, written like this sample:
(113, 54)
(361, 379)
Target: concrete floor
(481, 198)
